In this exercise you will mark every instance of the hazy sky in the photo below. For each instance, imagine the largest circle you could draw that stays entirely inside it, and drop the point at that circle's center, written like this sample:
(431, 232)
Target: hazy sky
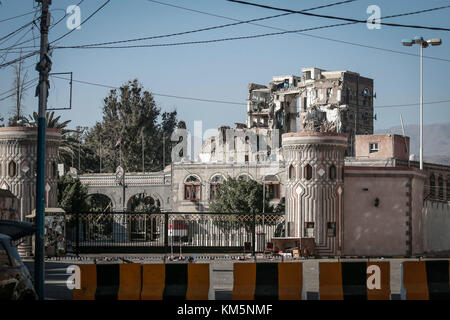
(222, 70)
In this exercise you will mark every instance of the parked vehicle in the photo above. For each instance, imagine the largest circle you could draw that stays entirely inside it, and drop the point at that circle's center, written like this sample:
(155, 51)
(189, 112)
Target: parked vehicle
(15, 279)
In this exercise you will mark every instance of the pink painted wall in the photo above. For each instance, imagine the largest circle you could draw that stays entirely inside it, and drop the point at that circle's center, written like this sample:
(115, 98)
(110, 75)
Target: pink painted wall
(383, 230)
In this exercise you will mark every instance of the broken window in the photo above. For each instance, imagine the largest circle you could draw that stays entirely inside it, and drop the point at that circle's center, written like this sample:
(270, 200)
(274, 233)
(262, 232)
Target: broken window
(373, 147)
(307, 75)
(329, 91)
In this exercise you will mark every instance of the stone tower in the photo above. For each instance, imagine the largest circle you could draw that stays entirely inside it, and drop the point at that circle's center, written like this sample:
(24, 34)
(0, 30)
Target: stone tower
(314, 188)
(18, 149)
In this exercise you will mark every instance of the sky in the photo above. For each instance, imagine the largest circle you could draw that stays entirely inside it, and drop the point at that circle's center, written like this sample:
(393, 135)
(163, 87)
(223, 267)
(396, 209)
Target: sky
(223, 70)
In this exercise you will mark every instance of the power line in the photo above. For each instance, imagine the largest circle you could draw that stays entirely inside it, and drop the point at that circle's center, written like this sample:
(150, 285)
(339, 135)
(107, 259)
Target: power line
(410, 104)
(224, 101)
(339, 18)
(84, 21)
(22, 15)
(25, 88)
(206, 29)
(310, 35)
(155, 93)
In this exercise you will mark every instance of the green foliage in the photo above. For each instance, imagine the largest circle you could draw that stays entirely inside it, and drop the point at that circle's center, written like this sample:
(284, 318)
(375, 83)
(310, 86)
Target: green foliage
(130, 113)
(239, 196)
(72, 194)
(143, 203)
(99, 203)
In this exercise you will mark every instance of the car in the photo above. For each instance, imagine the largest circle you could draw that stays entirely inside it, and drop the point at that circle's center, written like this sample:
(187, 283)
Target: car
(16, 282)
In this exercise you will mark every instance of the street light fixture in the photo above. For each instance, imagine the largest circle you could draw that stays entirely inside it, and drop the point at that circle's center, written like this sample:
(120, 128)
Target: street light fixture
(423, 44)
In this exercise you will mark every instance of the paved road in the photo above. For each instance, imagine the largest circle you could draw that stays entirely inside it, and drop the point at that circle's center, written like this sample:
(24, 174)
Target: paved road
(221, 270)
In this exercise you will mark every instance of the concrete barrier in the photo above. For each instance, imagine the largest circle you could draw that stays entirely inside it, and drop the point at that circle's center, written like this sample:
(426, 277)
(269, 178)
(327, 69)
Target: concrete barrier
(175, 281)
(268, 281)
(354, 280)
(426, 280)
(147, 282)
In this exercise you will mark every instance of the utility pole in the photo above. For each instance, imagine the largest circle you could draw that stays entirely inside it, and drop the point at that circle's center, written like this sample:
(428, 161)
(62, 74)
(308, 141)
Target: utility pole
(43, 67)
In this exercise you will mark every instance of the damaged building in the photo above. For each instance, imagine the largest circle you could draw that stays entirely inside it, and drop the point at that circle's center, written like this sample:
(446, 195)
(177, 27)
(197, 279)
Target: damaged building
(319, 100)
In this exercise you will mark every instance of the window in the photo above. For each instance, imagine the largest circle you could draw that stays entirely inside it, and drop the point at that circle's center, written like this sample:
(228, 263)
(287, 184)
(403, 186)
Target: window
(246, 158)
(12, 169)
(307, 75)
(192, 188)
(432, 185)
(291, 172)
(273, 190)
(214, 186)
(331, 229)
(441, 187)
(307, 172)
(329, 91)
(333, 172)
(373, 147)
(309, 229)
(5, 260)
(305, 103)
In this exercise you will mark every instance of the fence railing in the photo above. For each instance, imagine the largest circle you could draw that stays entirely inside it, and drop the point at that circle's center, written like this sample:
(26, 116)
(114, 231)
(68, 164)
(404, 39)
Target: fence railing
(169, 232)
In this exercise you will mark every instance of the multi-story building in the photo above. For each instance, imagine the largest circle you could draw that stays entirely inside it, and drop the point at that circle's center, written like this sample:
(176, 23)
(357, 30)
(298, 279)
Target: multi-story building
(319, 100)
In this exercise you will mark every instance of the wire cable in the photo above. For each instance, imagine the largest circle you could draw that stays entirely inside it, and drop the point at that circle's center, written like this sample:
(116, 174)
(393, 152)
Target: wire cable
(339, 18)
(224, 101)
(310, 35)
(83, 22)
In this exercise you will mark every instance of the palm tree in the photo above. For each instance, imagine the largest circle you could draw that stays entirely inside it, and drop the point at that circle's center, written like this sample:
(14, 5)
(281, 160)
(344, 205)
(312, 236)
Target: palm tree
(68, 142)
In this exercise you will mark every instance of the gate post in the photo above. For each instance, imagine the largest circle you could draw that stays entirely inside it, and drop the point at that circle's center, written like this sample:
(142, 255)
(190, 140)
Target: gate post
(253, 233)
(77, 233)
(166, 232)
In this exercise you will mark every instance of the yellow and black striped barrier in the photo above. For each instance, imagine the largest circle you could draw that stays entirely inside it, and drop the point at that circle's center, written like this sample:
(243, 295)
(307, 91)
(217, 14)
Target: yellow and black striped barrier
(175, 281)
(354, 280)
(109, 282)
(426, 280)
(268, 281)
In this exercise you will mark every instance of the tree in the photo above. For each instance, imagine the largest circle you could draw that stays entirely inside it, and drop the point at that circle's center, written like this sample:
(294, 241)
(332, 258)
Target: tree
(238, 195)
(69, 138)
(20, 79)
(131, 115)
(72, 194)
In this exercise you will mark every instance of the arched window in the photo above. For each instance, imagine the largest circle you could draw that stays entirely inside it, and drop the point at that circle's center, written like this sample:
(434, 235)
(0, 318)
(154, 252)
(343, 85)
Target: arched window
(214, 186)
(12, 169)
(432, 185)
(308, 172)
(441, 187)
(291, 172)
(333, 172)
(272, 185)
(192, 188)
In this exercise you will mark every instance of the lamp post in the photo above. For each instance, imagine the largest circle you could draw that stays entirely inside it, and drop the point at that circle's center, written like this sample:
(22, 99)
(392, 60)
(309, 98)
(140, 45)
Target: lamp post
(423, 44)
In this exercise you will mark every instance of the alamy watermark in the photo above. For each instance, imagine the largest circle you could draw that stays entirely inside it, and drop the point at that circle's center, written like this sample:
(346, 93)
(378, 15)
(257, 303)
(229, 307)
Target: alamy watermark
(74, 19)
(374, 20)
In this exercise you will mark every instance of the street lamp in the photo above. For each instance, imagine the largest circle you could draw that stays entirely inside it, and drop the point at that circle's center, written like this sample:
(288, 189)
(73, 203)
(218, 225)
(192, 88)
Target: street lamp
(423, 44)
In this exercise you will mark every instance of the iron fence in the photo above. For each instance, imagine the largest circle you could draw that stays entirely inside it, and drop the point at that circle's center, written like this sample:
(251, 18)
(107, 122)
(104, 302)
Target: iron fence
(170, 232)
